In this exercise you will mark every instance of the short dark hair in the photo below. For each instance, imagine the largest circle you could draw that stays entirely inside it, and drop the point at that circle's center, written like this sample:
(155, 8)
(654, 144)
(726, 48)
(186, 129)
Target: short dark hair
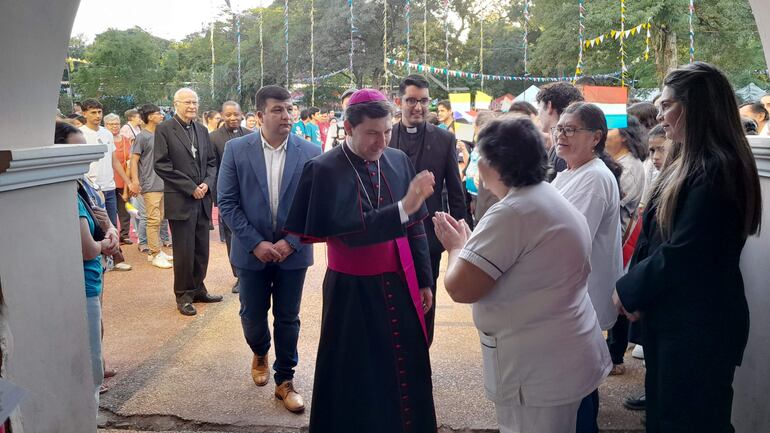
(646, 112)
(63, 131)
(312, 111)
(304, 114)
(249, 114)
(445, 103)
(657, 131)
(514, 147)
(585, 81)
(79, 117)
(147, 109)
(635, 138)
(523, 107)
(413, 80)
(90, 104)
(355, 114)
(756, 108)
(560, 94)
(271, 92)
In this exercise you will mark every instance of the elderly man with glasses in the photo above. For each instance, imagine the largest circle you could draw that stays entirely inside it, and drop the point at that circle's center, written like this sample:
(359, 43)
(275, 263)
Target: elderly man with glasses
(187, 163)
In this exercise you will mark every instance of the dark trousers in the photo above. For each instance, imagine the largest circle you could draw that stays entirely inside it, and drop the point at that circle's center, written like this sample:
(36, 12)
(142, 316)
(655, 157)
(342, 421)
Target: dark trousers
(430, 316)
(111, 206)
(228, 235)
(588, 413)
(617, 339)
(191, 255)
(123, 216)
(687, 393)
(285, 289)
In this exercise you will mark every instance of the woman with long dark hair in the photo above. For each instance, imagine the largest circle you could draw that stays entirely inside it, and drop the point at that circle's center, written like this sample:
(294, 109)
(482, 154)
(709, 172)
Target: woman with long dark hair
(685, 280)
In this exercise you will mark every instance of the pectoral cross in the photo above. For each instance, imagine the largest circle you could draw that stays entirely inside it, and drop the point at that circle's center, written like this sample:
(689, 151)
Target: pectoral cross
(192, 147)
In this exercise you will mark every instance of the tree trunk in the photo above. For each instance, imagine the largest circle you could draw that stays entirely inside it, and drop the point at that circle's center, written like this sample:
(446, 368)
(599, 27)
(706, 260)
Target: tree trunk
(666, 55)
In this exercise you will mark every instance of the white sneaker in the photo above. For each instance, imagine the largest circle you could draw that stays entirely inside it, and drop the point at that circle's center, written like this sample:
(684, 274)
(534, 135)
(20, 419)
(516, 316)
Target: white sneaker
(638, 352)
(166, 256)
(122, 267)
(160, 262)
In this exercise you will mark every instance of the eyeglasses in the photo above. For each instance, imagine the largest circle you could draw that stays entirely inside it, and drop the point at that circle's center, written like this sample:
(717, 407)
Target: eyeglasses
(567, 131)
(411, 102)
(188, 102)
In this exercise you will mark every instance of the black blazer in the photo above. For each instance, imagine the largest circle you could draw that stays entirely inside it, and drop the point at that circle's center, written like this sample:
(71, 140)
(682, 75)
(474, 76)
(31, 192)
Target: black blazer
(440, 158)
(218, 139)
(180, 171)
(690, 287)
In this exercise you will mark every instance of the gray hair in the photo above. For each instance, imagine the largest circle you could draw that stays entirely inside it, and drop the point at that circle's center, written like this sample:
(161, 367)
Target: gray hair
(184, 90)
(231, 104)
(111, 117)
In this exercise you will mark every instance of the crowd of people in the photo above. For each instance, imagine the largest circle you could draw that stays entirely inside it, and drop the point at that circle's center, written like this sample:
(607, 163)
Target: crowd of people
(556, 228)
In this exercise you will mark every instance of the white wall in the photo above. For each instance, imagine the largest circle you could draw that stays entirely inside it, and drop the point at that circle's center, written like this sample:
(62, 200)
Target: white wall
(41, 269)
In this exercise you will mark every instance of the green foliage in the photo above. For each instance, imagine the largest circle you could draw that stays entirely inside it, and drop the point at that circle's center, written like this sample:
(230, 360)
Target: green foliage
(131, 67)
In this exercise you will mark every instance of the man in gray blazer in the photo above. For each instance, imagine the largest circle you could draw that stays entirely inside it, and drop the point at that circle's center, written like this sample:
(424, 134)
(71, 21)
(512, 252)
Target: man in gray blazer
(257, 180)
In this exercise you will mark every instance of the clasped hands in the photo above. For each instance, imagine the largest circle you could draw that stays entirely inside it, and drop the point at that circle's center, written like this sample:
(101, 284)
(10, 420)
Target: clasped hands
(268, 252)
(200, 191)
(451, 233)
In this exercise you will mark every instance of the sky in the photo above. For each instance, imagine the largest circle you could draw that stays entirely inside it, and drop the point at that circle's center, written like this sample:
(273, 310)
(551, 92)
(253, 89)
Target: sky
(168, 19)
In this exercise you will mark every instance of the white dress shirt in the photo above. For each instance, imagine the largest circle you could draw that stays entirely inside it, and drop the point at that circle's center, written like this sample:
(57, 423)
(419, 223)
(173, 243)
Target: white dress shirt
(275, 160)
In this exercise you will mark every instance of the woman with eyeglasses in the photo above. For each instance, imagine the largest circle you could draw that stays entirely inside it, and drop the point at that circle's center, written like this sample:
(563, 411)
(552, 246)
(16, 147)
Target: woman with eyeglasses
(591, 184)
(684, 280)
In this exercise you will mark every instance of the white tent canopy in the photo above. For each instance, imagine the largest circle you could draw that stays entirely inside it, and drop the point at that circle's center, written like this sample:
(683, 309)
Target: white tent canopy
(528, 95)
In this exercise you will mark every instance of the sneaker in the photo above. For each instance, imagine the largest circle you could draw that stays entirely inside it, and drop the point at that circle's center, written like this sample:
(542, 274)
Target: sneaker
(638, 352)
(166, 256)
(143, 249)
(122, 267)
(160, 262)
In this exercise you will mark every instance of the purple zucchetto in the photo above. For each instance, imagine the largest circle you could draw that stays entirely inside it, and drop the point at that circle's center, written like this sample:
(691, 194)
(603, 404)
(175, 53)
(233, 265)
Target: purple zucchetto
(366, 95)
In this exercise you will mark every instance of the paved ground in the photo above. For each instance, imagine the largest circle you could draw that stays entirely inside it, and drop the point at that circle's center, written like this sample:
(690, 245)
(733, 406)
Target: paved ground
(179, 373)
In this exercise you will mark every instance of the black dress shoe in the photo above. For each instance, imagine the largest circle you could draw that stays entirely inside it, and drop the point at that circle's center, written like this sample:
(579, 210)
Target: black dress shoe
(187, 309)
(237, 286)
(207, 298)
(639, 403)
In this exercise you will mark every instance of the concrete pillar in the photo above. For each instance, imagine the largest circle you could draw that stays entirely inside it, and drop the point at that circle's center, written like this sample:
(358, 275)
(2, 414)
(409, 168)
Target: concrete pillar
(751, 406)
(41, 271)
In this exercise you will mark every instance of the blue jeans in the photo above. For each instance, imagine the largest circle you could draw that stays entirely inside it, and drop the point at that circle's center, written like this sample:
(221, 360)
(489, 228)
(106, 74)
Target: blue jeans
(141, 223)
(94, 320)
(111, 206)
(285, 287)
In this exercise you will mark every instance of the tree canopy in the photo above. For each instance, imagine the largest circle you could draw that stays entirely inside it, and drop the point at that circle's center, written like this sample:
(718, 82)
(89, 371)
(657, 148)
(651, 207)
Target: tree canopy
(131, 67)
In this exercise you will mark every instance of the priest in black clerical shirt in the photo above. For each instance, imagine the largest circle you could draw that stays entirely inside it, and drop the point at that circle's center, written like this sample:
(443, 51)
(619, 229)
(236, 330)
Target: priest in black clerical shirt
(231, 128)
(187, 163)
(435, 150)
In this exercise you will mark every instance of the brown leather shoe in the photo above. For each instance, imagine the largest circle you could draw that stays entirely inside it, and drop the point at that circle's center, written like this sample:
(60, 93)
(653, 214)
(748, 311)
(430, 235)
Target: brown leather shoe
(260, 371)
(291, 399)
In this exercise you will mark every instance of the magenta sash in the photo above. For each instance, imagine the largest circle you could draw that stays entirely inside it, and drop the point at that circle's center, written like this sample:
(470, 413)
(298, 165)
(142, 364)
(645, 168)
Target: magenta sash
(390, 256)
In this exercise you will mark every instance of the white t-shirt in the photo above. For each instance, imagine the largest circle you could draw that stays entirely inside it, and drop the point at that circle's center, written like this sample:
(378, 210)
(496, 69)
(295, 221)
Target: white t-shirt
(593, 190)
(101, 172)
(540, 339)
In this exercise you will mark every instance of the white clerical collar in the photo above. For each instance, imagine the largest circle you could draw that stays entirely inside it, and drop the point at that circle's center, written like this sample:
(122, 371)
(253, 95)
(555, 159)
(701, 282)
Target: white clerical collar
(412, 130)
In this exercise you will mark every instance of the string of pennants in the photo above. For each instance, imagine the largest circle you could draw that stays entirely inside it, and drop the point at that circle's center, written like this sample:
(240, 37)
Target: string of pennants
(462, 74)
(615, 34)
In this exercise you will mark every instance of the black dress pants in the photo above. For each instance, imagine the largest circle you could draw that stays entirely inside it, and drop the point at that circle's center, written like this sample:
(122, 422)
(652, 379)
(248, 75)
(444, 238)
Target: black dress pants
(228, 241)
(191, 254)
(123, 216)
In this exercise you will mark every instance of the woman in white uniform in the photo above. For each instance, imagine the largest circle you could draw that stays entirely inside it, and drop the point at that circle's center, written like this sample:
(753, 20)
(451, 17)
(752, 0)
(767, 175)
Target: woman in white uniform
(590, 183)
(524, 269)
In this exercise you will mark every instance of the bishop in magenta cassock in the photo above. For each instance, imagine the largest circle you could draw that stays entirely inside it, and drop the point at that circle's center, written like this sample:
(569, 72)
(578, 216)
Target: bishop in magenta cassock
(366, 202)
